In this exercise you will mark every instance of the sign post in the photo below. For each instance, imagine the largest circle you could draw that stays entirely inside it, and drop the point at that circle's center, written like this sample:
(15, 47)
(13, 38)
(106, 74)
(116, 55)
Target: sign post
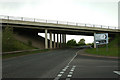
(100, 39)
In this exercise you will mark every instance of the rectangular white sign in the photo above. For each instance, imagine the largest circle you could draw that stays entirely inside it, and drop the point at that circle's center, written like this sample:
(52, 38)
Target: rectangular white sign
(101, 38)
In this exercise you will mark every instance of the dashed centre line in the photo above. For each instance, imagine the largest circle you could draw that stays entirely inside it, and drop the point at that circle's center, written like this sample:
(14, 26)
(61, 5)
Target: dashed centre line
(61, 73)
(70, 73)
(65, 68)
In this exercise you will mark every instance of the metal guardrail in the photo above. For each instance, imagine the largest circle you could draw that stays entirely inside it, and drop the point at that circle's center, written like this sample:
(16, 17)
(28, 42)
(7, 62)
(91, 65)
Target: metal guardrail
(55, 22)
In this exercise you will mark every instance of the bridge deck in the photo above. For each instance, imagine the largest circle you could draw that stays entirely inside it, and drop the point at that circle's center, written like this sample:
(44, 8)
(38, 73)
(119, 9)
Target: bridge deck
(66, 27)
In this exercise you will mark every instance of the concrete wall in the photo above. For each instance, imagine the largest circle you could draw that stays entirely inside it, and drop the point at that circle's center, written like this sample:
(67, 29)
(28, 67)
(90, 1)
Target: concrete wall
(37, 42)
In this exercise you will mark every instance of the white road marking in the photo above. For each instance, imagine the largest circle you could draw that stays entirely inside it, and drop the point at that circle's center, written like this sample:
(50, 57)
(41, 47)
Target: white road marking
(73, 58)
(69, 75)
(67, 66)
(117, 72)
(59, 75)
(63, 69)
(62, 72)
(74, 66)
(70, 72)
(57, 78)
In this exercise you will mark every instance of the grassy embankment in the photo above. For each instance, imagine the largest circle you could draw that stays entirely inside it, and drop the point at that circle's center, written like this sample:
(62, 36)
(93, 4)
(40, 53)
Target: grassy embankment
(18, 45)
(112, 49)
(9, 44)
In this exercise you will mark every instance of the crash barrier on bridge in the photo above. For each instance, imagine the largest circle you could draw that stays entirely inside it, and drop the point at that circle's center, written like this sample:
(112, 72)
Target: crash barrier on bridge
(12, 52)
(55, 22)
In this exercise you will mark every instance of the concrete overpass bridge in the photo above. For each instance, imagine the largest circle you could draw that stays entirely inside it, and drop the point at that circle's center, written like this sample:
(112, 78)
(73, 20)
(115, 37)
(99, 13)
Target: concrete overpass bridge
(56, 27)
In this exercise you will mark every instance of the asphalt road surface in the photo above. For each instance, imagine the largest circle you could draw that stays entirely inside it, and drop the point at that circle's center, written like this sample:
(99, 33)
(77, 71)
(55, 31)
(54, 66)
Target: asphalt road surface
(58, 64)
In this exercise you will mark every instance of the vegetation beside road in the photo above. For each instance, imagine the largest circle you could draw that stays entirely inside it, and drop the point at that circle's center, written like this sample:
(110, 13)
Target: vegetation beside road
(73, 42)
(111, 51)
(9, 43)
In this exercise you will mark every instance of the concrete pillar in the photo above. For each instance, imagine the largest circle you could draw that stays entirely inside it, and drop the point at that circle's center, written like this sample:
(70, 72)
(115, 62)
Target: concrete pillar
(54, 41)
(65, 38)
(60, 40)
(46, 41)
(94, 41)
(57, 41)
(50, 40)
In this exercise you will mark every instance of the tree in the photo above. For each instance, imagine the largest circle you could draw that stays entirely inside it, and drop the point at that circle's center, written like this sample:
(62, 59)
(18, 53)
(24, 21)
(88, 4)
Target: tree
(81, 42)
(71, 42)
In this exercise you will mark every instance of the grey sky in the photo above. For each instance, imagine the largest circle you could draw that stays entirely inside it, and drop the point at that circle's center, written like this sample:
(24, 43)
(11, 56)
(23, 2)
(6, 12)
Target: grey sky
(103, 12)
(82, 11)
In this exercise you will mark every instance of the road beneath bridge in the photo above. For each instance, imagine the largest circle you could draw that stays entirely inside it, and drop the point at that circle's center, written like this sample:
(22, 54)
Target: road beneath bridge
(65, 64)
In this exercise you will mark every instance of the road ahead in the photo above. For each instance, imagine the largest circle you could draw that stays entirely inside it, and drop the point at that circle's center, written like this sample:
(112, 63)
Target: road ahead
(57, 64)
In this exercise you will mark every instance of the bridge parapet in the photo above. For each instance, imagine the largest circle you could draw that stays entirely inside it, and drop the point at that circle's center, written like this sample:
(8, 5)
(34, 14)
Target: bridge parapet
(56, 22)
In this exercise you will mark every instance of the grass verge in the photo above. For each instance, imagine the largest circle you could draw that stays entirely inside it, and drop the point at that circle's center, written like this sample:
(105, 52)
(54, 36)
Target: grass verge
(5, 56)
(103, 51)
(111, 51)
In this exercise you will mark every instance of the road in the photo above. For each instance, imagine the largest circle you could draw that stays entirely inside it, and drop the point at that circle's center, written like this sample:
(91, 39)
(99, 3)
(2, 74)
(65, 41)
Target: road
(58, 64)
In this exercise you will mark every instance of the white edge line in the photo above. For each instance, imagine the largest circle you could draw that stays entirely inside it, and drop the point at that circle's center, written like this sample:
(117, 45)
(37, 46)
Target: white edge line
(117, 72)
(73, 58)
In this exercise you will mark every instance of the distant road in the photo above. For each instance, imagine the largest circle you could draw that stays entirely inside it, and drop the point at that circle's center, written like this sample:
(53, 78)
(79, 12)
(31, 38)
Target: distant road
(56, 64)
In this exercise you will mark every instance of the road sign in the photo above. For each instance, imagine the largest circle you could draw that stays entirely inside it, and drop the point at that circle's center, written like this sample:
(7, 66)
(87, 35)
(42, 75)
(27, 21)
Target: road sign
(101, 38)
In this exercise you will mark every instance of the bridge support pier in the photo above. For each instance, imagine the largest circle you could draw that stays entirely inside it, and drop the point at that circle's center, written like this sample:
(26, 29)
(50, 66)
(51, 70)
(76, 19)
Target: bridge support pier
(63, 40)
(54, 40)
(50, 40)
(60, 41)
(46, 41)
(94, 41)
(57, 40)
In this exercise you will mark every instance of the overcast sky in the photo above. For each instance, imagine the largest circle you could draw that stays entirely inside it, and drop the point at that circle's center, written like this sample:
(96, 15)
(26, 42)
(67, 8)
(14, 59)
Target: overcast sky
(103, 12)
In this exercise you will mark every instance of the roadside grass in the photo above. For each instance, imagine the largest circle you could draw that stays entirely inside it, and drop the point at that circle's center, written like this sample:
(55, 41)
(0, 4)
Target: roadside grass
(18, 45)
(5, 56)
(104, 52)
(23, 46)
(111, 51)
(10, 43)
